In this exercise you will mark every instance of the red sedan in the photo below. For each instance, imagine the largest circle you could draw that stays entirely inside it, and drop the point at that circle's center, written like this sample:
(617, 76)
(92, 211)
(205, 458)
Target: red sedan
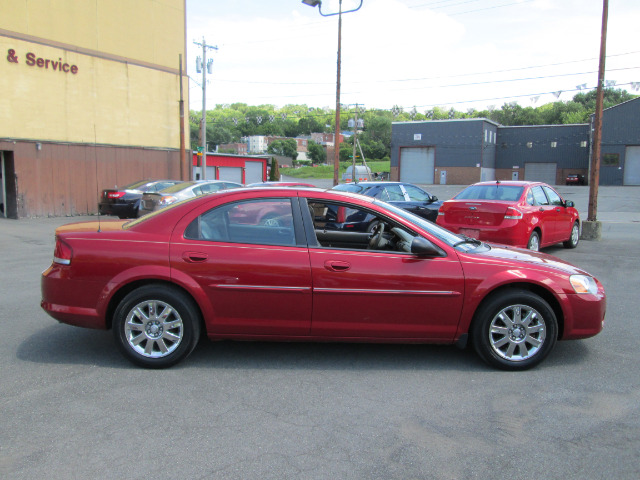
(210, 265)
(523, 214)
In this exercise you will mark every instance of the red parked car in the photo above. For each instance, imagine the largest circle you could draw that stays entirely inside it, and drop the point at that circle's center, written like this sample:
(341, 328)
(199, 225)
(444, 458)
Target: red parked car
(210, 265)
(523, 214)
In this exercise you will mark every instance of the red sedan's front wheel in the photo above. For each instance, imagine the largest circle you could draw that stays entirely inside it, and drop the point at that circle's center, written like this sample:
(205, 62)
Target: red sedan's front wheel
(514, 330)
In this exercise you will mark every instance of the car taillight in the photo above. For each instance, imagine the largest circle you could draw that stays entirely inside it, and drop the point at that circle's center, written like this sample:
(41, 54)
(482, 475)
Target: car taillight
(440, 211)
(167, 200)
(513, 214)
(115, 194)
(62, 253)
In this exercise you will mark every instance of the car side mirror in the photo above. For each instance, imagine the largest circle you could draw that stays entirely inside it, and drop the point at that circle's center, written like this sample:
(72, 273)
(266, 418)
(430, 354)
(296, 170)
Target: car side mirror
(569, 204)
(422, 247)
(434, 198)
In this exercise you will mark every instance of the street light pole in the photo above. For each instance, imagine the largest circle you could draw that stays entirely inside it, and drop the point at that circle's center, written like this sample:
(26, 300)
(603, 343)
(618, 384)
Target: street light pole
(336, 142)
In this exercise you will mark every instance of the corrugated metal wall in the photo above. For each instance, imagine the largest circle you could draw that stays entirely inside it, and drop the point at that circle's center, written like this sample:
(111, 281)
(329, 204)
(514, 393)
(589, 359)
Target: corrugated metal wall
(66, 179)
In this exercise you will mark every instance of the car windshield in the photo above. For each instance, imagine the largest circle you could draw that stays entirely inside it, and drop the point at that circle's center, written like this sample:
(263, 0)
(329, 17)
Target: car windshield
(349, 187)
(509, 193)
(451, 239)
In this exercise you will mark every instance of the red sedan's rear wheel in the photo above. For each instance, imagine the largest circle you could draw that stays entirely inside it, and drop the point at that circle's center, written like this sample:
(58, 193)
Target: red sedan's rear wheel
(574, 238)
(156, 326)
(534, 241)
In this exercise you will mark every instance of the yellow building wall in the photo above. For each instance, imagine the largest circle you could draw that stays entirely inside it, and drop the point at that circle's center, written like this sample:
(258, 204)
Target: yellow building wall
(126, 87)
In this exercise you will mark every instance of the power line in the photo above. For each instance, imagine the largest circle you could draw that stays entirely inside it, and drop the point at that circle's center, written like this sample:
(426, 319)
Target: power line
(440, 77)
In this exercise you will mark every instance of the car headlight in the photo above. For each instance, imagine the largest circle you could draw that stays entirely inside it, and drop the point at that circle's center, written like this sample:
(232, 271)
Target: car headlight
(584, 284)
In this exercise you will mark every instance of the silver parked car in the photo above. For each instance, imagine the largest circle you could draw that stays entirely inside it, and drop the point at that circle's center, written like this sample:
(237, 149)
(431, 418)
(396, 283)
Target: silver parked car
(151, 202)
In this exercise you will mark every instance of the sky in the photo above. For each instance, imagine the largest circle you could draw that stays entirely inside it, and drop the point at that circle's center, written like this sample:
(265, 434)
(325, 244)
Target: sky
(420, 54)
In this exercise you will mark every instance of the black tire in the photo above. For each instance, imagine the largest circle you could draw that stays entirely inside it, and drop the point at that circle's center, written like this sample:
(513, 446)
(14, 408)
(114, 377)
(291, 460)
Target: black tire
(156, 326)
(574, 239)
(505, 339)
(372, 226)
(534, 241)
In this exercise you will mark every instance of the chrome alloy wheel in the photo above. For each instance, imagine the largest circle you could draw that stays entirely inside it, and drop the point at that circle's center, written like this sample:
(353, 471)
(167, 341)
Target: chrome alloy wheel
(575, 234)
(153, 329)
(517, 333)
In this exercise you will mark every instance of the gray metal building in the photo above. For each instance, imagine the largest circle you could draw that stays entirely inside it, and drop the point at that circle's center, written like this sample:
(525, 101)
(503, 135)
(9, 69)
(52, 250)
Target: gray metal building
(620, 162)
(546, 153)
(471, 150)
(443, 151)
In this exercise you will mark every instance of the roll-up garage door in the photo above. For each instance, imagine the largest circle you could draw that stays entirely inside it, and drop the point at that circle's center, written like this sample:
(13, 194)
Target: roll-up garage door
(231, 174)
(541, 172)
(417, 165)
(632, 166)
(253, 172)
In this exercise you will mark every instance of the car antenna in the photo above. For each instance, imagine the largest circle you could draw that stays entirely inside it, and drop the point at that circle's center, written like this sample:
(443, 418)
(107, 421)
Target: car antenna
(95, 157)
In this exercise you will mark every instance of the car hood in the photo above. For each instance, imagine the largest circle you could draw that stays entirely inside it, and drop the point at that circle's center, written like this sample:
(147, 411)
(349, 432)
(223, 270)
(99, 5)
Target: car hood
(530, 258)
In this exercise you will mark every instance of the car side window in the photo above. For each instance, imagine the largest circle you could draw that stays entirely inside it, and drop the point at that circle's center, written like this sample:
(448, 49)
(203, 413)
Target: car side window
(259, 221)
(210, 187)
(554, 198)
(416, 194)
(539, 197)
(381, 194)
(345, 226)
(530, 200)
(395, 194)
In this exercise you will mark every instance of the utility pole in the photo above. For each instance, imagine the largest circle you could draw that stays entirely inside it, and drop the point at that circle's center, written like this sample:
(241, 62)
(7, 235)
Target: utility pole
(354, 177)
(592, 229)
(182, 141)
(206, 67)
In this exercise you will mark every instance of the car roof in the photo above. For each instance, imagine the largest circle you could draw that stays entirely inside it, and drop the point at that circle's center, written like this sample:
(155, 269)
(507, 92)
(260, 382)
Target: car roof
(509, 183)
(247, 193)
(376, 183)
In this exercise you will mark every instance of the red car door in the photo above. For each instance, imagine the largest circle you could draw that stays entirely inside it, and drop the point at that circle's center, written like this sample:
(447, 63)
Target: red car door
(546, 216)
(562, 219)
(360, 293)
(254, 274)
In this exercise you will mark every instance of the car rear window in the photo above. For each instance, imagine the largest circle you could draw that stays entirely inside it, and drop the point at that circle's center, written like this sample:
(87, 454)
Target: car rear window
(349, 187)
(508, 193)
(177, 187)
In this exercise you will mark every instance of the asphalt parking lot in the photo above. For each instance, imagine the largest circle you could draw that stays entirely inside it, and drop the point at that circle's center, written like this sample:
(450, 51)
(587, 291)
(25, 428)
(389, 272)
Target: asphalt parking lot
(72, 407)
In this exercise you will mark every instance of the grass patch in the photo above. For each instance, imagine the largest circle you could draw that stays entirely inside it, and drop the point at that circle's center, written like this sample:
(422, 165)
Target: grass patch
(326, 171)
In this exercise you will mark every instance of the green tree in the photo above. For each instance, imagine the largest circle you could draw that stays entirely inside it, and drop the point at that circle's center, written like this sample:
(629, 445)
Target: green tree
(274, 174)
(316, 152)
(286, 147)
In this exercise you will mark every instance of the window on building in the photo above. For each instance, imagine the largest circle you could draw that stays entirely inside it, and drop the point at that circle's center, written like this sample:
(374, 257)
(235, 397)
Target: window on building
(554, 144)
(611, 160)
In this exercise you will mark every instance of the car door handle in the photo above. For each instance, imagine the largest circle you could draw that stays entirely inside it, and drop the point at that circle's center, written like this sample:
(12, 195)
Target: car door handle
(337, 266)
(194, 257)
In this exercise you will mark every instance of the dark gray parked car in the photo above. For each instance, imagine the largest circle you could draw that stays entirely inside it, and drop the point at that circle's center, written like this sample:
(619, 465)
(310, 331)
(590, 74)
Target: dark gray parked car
(400, 194)
(182, 191)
